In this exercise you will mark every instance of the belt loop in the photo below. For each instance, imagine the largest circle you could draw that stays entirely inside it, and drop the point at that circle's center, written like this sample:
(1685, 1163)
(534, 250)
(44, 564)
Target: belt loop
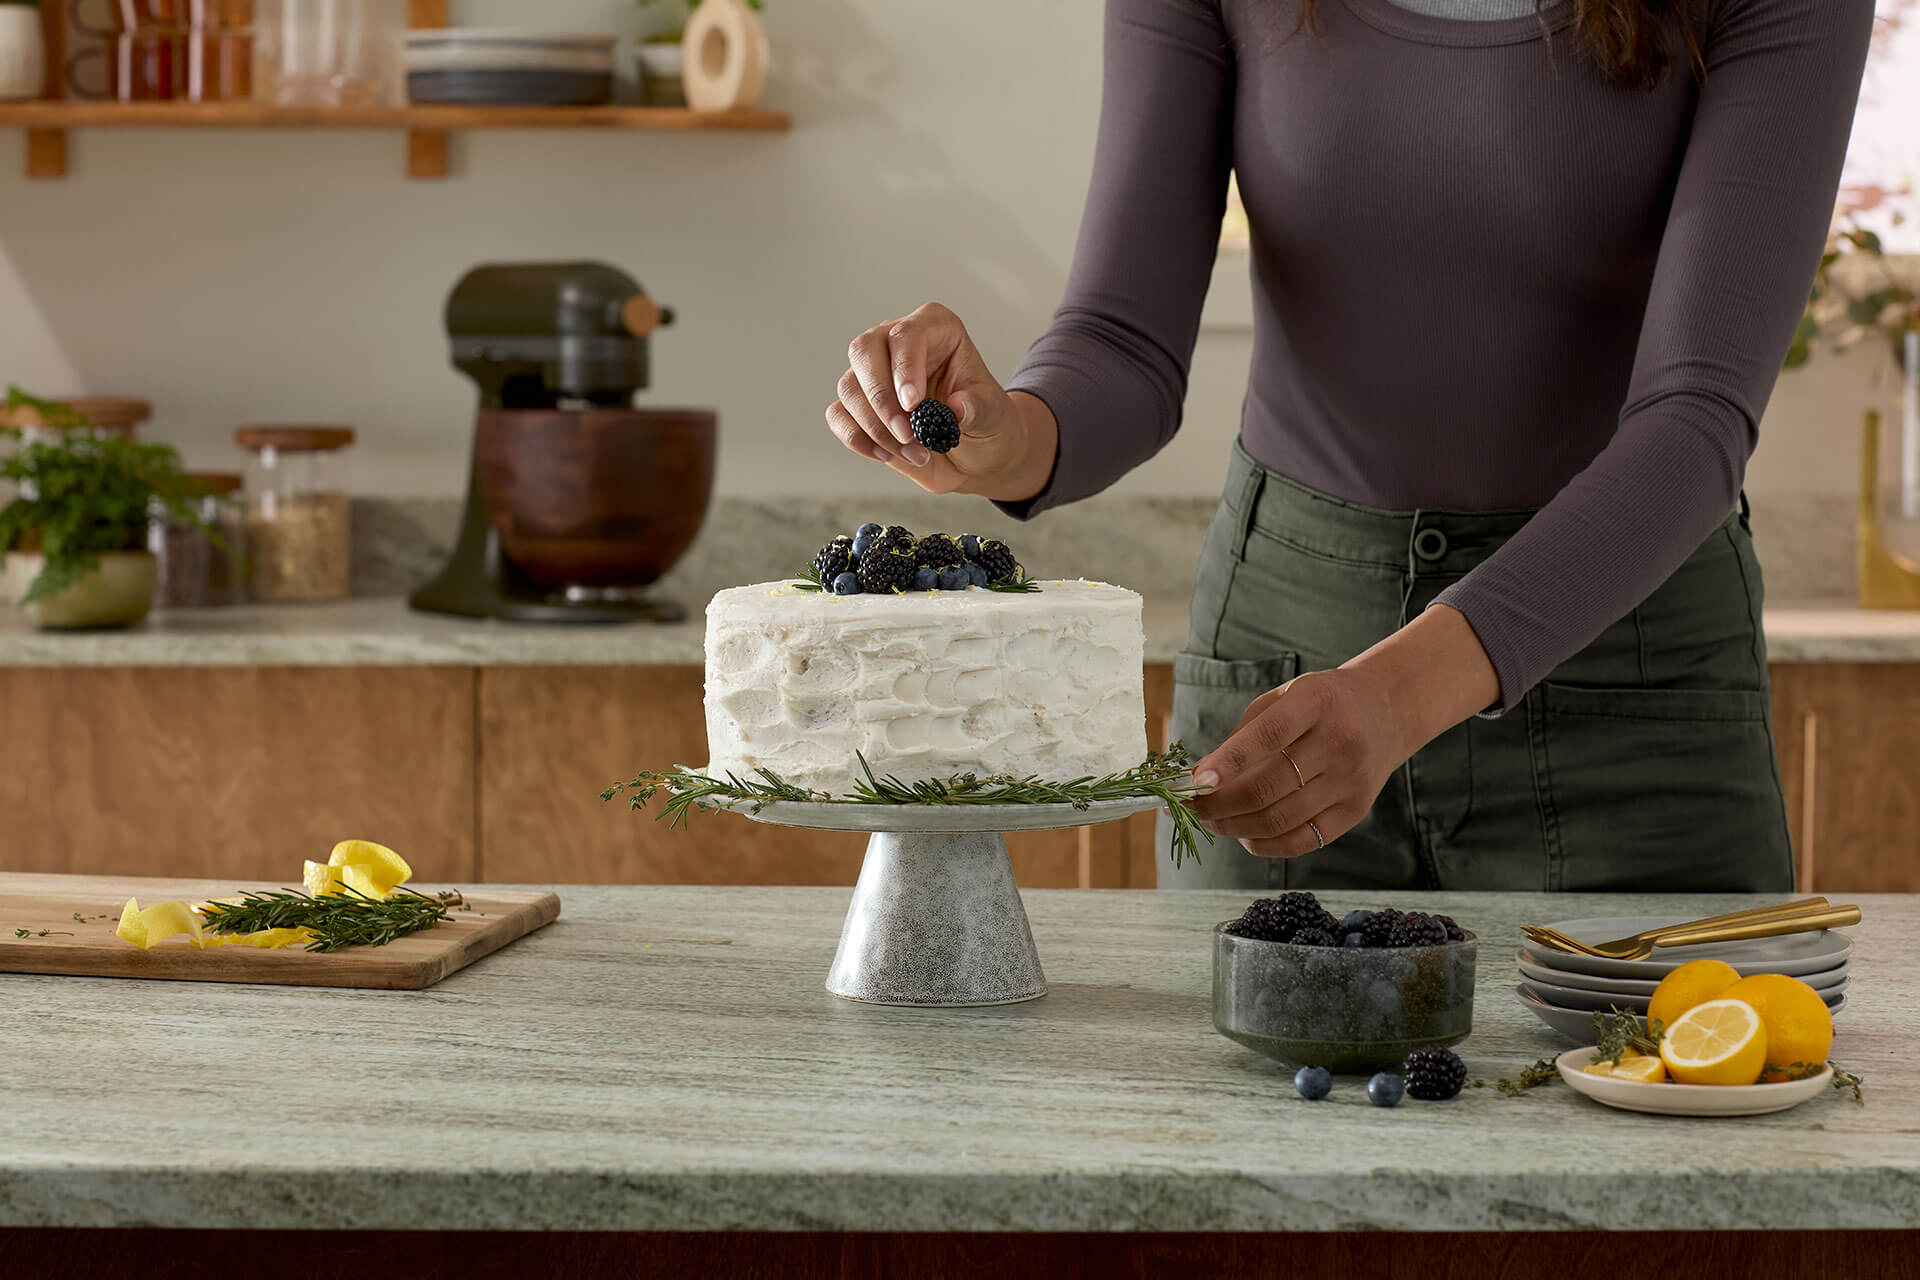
(1746, 508)
(1251, 486)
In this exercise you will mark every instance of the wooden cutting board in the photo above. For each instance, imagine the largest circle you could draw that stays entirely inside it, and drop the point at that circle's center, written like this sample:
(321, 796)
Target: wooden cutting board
(493, 918)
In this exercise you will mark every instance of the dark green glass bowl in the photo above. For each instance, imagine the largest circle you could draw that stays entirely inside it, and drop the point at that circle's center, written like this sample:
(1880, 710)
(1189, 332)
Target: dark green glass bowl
(1352, 1010)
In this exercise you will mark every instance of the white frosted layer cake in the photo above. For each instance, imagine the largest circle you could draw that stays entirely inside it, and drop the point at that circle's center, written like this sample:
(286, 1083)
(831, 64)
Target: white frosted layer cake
(926, 684)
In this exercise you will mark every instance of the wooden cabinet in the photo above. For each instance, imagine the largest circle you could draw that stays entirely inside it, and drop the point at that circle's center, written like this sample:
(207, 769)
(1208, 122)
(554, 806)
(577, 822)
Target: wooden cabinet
(1849, 742)
(234, 771)
(494, 774)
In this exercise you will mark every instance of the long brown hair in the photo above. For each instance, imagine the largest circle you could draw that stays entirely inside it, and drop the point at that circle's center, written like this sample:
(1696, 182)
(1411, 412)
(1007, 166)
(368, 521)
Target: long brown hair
(1628, 39)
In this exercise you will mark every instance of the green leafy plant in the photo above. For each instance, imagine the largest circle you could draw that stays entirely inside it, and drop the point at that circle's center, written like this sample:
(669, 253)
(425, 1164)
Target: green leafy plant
(1857, 293)
(1163, 775)
(669, 17)
(83, 494)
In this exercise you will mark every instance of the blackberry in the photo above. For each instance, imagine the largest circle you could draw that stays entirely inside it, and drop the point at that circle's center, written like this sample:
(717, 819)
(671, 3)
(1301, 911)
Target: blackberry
(1417, 930)
(1454, 932)
(997, 559)
(845, 584)
(885, 569)
(1279, 919)
(1434, 1075)
(937, 551)
(1313, 936)
(1313, 1083)
(935, 426)
(1378, 927)
(1384, 1090)
(926, 579)
(896, 535)
(833, 560)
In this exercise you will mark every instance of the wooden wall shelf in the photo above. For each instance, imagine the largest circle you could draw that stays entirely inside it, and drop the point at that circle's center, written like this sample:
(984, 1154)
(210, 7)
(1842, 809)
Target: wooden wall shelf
(46, 121)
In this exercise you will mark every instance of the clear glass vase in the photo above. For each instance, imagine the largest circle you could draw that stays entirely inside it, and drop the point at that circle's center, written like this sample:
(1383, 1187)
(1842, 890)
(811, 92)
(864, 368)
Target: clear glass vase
(1897, 496)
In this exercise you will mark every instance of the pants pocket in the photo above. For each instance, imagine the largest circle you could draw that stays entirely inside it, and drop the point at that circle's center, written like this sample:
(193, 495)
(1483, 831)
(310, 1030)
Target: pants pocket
(1209, 697)
(1662, 789)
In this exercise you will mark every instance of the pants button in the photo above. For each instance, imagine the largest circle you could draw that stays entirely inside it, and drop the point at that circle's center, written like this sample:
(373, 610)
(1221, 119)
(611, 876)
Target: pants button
(1430, 544)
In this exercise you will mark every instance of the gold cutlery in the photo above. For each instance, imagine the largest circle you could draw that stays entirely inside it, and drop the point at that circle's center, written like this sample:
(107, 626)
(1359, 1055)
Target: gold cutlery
(1805, 916)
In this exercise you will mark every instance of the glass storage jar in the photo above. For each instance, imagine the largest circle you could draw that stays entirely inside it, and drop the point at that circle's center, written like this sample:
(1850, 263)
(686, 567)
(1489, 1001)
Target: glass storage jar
(298, 544)
(201, 564)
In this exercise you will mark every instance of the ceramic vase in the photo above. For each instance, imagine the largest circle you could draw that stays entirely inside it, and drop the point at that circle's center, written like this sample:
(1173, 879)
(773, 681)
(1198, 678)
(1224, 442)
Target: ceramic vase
(23, 53)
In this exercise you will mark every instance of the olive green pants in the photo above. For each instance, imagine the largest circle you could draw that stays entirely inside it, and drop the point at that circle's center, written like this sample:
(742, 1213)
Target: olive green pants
(1643, 762)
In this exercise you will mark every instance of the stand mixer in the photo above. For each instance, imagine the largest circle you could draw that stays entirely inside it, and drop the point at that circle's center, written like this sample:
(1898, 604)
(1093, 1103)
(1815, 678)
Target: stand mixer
(576, 501)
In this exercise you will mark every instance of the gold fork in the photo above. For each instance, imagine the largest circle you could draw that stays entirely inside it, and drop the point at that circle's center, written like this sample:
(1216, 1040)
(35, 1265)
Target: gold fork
(1800, 917)
(1550, 936)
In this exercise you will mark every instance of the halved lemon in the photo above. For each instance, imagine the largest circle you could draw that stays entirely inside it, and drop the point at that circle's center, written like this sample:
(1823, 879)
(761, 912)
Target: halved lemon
(1719, 1042)
(369, 868)
(1642, 1068)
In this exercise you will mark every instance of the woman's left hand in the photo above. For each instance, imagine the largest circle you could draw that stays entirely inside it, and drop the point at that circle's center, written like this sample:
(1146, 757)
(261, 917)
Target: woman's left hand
(1310, 757)
(1304, 766)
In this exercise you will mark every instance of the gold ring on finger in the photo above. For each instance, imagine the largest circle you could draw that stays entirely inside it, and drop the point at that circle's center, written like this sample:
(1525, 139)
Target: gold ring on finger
(1296, 771)
(1316, 833)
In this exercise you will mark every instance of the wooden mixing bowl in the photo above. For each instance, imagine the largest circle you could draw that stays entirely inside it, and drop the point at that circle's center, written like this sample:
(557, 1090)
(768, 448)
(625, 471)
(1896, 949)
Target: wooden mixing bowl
(596, 497)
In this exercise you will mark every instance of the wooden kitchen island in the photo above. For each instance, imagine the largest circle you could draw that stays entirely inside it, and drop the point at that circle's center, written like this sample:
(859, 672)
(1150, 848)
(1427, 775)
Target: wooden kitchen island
(660, 1079)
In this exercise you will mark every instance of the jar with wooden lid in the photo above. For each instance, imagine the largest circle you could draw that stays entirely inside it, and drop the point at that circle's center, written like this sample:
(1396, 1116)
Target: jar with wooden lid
(298, 542)
(201, 564)
(102, 415)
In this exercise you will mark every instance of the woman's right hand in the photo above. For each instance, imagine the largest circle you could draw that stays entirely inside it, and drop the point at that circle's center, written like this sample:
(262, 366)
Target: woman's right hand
(1007, 441)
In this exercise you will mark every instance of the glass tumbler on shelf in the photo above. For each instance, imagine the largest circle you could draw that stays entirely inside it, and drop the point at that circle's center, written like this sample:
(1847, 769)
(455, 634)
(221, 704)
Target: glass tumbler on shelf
(201, 564)
(1898, 499)
(330, 53)
(297, 524)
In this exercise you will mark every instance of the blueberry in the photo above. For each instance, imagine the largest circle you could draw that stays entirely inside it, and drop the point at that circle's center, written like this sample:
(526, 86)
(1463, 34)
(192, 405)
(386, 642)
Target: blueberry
(1354, 940)
(925, 579)
(861, 545)
(1313, 1083)
(867, 530)
(1385, 1090)
(847, 584)
(976, 574)
(953, 578)
(1353, 920)
(970, 545)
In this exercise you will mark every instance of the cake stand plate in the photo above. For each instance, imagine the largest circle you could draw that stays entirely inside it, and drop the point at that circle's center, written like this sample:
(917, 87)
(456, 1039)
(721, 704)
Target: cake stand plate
(936, 919)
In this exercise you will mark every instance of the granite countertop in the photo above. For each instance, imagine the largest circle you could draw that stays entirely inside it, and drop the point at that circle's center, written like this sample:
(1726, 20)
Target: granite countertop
(384, 632)
(667, 1058)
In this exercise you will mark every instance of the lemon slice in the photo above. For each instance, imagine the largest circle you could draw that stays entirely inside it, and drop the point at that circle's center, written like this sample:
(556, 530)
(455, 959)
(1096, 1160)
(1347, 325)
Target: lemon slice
(321, 879)
(1598, 1067)
(369, 868)
(1640, 1068)
(157, 923)
(1719, 1042)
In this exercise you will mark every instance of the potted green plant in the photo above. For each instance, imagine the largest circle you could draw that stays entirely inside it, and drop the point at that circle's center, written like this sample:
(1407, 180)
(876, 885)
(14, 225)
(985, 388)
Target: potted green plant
(75, 533)
(1863, 293)
(23, 52)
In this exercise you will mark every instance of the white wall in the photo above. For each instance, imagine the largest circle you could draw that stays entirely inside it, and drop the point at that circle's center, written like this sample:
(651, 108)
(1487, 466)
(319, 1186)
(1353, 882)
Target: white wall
(251, 276)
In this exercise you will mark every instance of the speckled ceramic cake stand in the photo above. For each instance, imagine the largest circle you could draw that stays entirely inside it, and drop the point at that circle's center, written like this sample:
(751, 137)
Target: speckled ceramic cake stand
(936, 918)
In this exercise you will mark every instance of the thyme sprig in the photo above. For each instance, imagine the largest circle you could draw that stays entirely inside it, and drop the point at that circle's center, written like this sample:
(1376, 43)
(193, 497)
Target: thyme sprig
(1541, 1072)
(347, 918)
(1163, 776)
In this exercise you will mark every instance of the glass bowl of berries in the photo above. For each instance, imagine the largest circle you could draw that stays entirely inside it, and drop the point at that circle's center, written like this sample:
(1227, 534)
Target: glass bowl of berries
(1354, 995)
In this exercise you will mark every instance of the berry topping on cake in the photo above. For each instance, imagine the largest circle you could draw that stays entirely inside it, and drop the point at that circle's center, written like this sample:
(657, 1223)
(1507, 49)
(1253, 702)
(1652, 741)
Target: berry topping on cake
(937, 551)
(969, 545)
(885, 568)
(834, 559)
(867, 530)
(1434, 1075)
(845, 584)
(935, 426)
(954, 578)
(997, 559)
(926, 578)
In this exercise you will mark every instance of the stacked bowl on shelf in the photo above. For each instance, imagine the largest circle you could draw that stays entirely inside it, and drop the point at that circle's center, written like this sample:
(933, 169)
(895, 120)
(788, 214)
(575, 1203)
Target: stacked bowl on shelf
(1565, 990)
(509, 67)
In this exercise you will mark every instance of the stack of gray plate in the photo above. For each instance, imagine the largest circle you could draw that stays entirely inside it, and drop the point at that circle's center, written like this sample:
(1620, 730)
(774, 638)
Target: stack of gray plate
(1564, 990)
(509, 67)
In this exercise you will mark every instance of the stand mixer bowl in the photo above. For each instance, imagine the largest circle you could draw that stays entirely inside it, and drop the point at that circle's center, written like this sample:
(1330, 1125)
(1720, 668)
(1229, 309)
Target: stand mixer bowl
(595, 498)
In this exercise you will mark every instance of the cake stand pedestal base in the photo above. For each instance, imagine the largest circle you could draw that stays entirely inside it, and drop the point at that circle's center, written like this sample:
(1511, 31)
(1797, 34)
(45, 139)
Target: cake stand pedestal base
(937, 920)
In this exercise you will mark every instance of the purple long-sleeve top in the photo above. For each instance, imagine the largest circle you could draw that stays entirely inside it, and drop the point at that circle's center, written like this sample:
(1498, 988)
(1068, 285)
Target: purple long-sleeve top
(1485, 276)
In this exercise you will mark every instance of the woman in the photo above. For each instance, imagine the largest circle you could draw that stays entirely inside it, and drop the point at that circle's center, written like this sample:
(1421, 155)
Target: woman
(1477, 610)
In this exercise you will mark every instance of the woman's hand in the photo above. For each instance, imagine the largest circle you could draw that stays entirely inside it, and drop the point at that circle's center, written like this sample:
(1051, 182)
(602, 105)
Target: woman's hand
(1308, 758)
(1007, 442)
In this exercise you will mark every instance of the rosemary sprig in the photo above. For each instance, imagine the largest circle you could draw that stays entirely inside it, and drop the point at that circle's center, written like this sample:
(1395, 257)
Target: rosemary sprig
(1162, 775)
(348, 918)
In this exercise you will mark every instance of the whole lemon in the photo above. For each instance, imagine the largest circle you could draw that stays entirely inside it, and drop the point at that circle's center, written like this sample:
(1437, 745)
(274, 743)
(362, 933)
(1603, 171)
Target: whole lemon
(1694, 982)
(1799, 1024)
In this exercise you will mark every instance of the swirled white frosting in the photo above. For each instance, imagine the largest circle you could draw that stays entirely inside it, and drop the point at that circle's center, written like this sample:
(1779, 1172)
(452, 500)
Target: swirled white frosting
(925, 684)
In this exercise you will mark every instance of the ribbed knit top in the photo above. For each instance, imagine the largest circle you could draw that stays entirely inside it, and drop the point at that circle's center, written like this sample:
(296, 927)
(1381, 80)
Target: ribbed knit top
(1485, 277)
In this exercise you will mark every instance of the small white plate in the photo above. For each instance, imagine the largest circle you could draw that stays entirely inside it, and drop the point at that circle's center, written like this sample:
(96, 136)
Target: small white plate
(1688, 1099)
(1793, 953)
(1577, 1024)
(1574, 998)
(1533, 971)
